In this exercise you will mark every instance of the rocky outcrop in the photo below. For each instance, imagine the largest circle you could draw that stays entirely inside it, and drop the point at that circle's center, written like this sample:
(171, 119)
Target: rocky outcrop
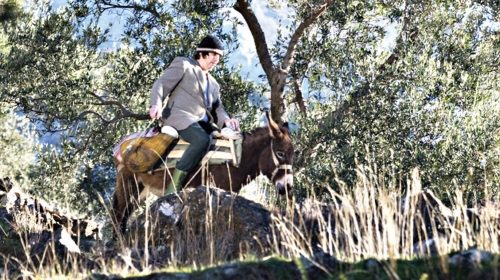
(204, 223)
(15, 201)
(36, 230)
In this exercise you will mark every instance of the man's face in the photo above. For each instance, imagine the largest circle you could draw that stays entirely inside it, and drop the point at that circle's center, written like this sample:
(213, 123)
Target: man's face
(209, 62)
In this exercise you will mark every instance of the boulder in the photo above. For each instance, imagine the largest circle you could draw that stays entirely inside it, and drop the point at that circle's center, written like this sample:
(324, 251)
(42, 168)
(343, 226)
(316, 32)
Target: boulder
(203, 223)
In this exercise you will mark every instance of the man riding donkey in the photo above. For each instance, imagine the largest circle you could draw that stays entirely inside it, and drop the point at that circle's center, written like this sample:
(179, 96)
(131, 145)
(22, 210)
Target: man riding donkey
(194, 107)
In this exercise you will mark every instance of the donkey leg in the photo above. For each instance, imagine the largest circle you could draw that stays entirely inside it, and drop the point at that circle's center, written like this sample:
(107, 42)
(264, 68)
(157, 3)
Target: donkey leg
(124, 200)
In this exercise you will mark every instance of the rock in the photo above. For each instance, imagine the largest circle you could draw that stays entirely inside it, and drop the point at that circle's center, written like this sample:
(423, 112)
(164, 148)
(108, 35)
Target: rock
(472, 258)
(430, 247)
(205, 223)
(321, 265)
(15, 201)
(372, 264)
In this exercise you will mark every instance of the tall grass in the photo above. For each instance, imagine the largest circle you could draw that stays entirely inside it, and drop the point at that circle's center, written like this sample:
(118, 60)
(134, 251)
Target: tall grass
(370, 219)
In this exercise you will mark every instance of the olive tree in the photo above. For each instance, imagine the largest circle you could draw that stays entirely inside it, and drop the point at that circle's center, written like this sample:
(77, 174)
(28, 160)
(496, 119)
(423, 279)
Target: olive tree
(87, 97)
(383, 86)
(428, 100)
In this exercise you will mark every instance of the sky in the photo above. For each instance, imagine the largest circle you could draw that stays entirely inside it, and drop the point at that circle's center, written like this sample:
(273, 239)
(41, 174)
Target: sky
(268, 18)
(245, 56)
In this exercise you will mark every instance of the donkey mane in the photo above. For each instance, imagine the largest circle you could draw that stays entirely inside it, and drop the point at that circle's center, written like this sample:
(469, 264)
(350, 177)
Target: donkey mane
(256, 135)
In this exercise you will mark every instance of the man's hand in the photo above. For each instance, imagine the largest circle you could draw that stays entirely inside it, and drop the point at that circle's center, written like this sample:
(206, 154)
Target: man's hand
(155, 112)
(234, 124)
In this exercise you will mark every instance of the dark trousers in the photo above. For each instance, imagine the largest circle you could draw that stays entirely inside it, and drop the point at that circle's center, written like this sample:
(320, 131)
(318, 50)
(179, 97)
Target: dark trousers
(198, 138)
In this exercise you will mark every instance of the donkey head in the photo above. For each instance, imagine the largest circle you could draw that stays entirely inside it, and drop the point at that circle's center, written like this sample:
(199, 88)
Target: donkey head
(278, 161)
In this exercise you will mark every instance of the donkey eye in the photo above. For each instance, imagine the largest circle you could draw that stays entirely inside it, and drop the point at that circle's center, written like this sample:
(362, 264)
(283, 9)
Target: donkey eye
(280, 154)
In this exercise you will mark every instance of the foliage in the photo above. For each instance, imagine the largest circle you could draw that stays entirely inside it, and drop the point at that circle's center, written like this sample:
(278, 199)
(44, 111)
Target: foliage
(18, 141)
(370, 231)
(378, 88)
(9, 10)
(429, 100)
(391, 85)
(88, 97)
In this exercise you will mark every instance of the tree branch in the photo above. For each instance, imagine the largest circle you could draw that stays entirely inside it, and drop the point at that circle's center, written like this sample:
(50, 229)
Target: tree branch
(126, 112)
(287, 60)
(276, 76)
(132, 7)
(259, 38)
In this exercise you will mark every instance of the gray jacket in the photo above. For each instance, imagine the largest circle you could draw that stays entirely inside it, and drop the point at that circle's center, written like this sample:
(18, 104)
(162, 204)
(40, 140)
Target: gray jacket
(184, 84)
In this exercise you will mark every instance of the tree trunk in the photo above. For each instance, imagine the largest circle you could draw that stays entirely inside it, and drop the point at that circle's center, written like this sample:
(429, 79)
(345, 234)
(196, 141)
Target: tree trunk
(277, 75)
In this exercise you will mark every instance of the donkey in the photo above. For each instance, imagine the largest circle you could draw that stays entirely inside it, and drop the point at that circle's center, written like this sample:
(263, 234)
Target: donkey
(265, 150)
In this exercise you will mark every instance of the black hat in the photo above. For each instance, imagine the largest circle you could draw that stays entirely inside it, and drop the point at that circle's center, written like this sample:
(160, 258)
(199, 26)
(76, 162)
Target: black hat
(210, 44)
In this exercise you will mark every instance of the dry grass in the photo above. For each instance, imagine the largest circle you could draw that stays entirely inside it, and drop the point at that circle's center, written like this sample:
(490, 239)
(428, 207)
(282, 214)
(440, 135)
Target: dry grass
(368, 221)
(372, 219)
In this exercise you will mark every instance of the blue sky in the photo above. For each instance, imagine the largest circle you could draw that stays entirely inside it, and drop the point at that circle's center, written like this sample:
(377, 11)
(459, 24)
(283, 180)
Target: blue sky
(245, 56)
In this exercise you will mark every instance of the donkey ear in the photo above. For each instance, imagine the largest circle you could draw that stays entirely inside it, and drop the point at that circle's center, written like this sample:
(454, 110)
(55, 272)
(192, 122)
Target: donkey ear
(274, 129)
